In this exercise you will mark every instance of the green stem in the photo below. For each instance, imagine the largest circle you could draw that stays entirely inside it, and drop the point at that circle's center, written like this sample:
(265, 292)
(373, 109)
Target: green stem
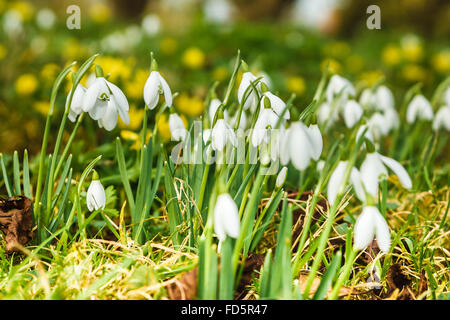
(344, 275)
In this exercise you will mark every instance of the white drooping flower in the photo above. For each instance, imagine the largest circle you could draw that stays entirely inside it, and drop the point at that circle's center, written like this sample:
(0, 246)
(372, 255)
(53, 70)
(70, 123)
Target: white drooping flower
(221, 134)
(266, 118)
(419, 108)
(213, 107)
(384, 98)
(326, 113)
(176, 127)
(373, 170)
(337, 180)
(103, 100)
(339, 86)
(76, 107)
(226, 217)
(442, 119)
(154, 86)
(352, 113)
(303, 144)
(251, 96)
(95, 196)
(369, 224)
(45, 18)
(281, 177)
(276, 104)
(218, 11)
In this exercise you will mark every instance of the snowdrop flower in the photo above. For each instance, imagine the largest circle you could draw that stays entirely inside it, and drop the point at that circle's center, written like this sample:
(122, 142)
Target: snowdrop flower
(352, 113)
(226, 217)
(378, 125)
(103, 100)
(95, 196)
(218, 11)
(442, 119)
(369, 224)
(281, 177)
(337, 179)
(339, 85)
(367, 99)
(213, 107)
(76, 107)
(304, 143)
(266, 118)
(151, 24)
(242, 122)
(276, 104)
(176, 127)
(252, 98)
(325, 113)
(419, 107)
(384, 98)
(446, 97)
(373, 170)
(221, 134)
(154, 86)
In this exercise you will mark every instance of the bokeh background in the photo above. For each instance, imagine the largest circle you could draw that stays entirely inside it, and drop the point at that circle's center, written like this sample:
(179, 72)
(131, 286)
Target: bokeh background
(195, 41)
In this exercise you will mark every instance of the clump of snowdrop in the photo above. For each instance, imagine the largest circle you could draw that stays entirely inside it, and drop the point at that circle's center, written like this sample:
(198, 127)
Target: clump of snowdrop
(103, 101)
(95, 196)
(155, 86)
(213, 107)
(339, 90)
(226, 217)
(419, 108)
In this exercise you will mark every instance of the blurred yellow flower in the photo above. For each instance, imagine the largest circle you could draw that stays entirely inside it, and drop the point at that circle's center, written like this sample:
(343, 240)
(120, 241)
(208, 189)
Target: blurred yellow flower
(99, 12)
(135, 88)
(333, 65)
(338, 49)
(26, 84)
(25, 9)
(116, 67)
(49, 72)
(168, 46)
(414, 73)
(190, 106)
(220, 74)
(296, 84)
(42, 107)
(441, 61)
(74, 50)
(136, 118)
(391, 55)
(412, 49)
(194, 58)
(354, 63)
(371, 77)
(163, 126)
(3, 52)
(133, 136)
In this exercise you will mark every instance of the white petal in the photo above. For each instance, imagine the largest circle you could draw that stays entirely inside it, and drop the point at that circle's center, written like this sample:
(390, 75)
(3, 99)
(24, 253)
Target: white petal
(226, 217)
(384, 98)
(281, 177)
(176, 127)
(213, 106)
(365, 227)
(299, 145)
(98, 111)
(278, 105)
(95, 196)
(399, 171)
(335, 181)
(382, 232)
(166, 90)
(219, 135)
(151, 90)
(372, 169)
(91, 95)
(355, 179)
(77, 100)
(316, 141)
(109, 120)
(352, 113)
(250, 101)
(121, 102)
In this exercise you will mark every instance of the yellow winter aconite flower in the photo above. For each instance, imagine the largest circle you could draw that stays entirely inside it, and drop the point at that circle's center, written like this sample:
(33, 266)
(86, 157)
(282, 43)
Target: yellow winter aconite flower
(168, 46)
(163, 126)
(99, 12)
(194, 58)
(220, 74)
(338, 49)
(354, 63)
(136, 118)
(133, 136)
(190, 106)
(414, 73)
(74, 50)
(116, 67)
(391, 55)
(49, 72)
(412, 49)
(371, 77)
(135, 88)
(42, 107)
(3, 52)
(26, 84)
(333, 65)
(25, 9)
(296, 84)
(441, 61)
